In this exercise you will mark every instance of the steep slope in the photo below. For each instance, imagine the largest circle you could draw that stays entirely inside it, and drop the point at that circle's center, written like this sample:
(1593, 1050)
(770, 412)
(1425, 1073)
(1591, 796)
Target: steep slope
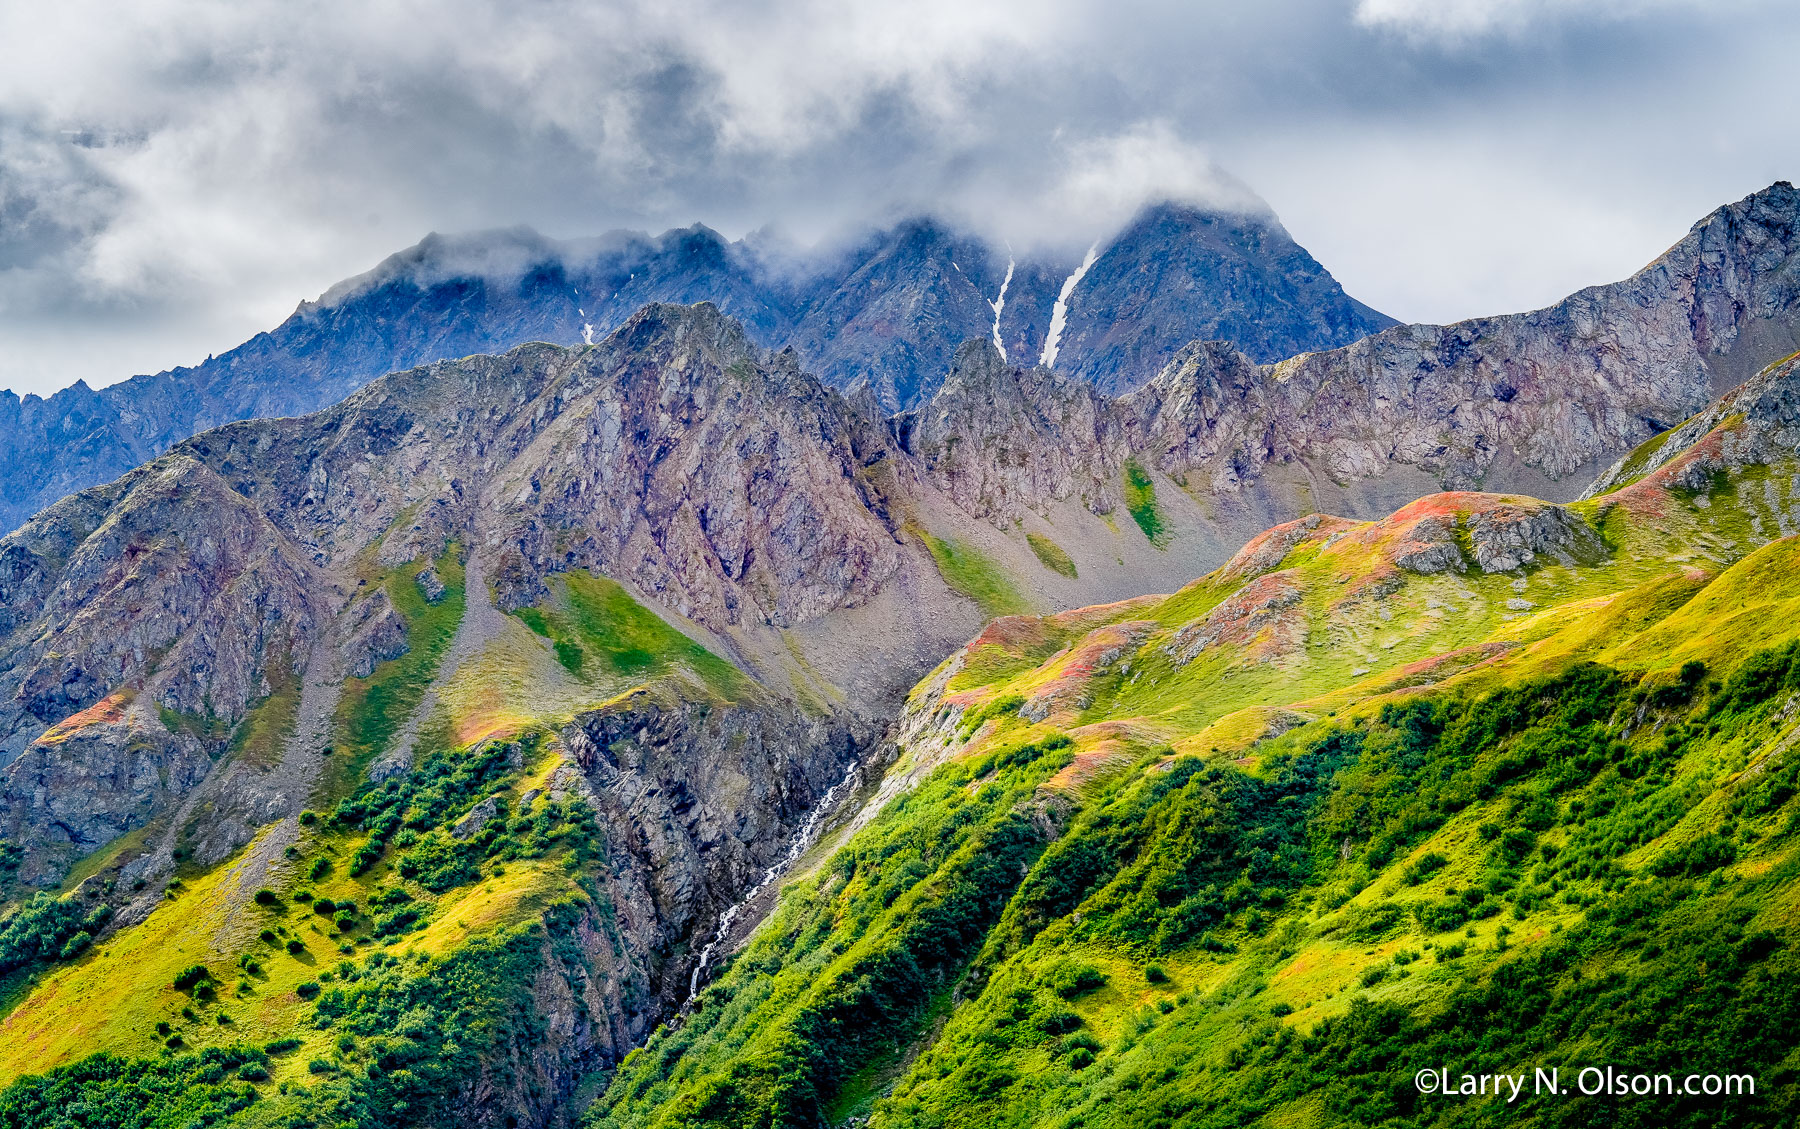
(1487, 785)
(896, 308)
(889, 310)
(1535, 402)
(447, 297)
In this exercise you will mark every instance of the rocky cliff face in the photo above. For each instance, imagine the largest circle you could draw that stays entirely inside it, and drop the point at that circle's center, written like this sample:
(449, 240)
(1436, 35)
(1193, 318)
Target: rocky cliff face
(695, 802)
(154, 613)
(1756, 423)
(727, 485)
(763, 513)
(1525, 401)
(144, 620)
(1000, 440)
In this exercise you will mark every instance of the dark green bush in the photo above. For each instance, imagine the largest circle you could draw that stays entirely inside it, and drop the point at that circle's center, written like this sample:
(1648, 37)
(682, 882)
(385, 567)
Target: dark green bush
(191, 977)
(1072, 980)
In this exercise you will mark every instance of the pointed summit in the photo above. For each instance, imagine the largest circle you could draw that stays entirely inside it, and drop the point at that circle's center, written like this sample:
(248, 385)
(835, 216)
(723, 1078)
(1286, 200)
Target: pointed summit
(1185, 273)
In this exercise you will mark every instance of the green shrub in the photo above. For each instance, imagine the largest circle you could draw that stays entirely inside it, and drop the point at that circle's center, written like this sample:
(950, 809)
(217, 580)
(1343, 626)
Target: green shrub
(47, 929)
(1072, 980)
(1079, 1050)
(307, 989)
(1058, 1021)
(1702, 855)
(1424, 866)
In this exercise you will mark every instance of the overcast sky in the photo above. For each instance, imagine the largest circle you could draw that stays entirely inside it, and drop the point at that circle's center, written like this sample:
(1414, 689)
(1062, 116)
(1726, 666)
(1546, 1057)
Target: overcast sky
(176, 175)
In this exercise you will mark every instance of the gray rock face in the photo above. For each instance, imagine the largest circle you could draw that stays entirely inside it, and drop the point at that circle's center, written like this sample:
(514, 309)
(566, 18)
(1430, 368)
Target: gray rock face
(1521, 401)
(177, 547)
(1501, 536)
(1000, 441)
(1513, 537)
(1518, 397)
(377, 634)
(718, 480)
(695, 801)
(1178, 274)
(479, 816)
(80, 788)
(1756, 422)
(431, 585)
(1429, 546)
(723, 483)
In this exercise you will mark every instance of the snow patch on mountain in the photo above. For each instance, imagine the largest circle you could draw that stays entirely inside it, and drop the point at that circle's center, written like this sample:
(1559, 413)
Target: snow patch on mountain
(1059, 313)
(999, 304)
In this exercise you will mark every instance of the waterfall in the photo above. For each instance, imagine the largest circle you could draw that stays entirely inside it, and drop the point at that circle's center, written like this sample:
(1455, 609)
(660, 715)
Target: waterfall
(797, 846)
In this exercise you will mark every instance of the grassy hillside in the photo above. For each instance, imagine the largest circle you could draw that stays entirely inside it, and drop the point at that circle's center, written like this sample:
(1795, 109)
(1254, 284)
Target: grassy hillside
(358, 965)
(1334, 814)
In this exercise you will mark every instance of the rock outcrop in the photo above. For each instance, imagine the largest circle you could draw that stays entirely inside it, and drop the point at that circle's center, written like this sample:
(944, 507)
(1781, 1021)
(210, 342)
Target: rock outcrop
(1757, 422)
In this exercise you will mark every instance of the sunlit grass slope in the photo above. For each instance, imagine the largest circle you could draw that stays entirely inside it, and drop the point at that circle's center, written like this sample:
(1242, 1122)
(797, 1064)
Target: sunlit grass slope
(1336, 812)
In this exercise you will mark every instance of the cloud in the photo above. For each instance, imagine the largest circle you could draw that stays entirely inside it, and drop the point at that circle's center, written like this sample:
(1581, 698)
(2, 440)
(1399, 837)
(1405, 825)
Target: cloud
(177, 174)
(1458, 21)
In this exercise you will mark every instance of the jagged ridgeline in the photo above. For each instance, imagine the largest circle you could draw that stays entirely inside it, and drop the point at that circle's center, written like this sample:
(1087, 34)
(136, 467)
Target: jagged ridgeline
(888, 313)
(408, 763)
(1489, 781)
(888, 310)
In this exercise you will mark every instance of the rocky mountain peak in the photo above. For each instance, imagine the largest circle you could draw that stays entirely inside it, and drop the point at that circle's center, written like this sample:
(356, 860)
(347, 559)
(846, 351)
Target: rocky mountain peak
(1205, 274)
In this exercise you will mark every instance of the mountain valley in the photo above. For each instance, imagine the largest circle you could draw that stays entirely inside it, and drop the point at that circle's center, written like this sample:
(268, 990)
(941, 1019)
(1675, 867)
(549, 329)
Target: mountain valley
(832, 699)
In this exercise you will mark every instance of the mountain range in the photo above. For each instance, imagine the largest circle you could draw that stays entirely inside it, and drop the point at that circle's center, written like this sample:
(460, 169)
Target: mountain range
(662, 727)
(889, 309)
